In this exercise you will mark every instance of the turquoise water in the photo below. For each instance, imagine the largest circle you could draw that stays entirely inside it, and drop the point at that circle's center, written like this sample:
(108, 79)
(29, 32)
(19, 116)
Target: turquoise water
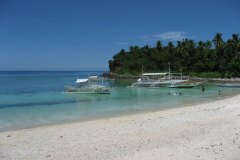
(30, 99)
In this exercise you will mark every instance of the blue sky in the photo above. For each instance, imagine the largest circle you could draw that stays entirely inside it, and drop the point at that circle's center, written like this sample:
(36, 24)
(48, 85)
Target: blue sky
(85, 34)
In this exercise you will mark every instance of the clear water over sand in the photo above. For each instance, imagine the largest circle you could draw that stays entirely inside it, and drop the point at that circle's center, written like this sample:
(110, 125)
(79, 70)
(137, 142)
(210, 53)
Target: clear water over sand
(30, 99)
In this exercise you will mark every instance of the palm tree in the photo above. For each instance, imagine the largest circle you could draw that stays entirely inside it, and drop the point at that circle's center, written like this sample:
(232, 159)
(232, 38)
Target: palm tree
(235, 45)
(170, 45)
(146, 49)
(238, 52)
(208, 44)
(159, 46)
(131, 49)
(235, 38)
(217, 41)
(179, 47)
(201, 47)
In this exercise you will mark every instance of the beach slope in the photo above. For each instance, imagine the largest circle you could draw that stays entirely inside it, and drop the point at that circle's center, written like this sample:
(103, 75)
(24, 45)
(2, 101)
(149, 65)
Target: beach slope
(204, 131)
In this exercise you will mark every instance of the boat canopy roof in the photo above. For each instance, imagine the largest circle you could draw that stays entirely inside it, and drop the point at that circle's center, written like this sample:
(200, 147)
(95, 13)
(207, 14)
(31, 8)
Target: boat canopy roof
(154, 74)
(93, 77)
(81, 80)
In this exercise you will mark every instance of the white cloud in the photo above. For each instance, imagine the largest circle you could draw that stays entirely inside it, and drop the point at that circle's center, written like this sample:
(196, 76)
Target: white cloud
(171, 36)
(167, 36)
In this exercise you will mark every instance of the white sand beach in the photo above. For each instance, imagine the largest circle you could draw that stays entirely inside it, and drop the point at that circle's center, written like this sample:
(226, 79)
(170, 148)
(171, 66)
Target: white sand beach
(209, 131)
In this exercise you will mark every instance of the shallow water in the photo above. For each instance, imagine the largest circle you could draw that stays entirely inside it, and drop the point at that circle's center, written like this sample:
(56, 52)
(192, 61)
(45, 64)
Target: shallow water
(30, 99)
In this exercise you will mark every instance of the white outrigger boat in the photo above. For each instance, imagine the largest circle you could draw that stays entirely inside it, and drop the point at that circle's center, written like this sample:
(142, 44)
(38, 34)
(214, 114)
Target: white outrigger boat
(166, 79)
(86, 86)
(156, 80)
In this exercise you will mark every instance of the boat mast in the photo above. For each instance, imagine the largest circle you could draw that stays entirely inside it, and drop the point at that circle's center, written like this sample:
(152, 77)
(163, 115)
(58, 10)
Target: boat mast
(169, 70)
(102, 80)
(89, 83)
(181, 73)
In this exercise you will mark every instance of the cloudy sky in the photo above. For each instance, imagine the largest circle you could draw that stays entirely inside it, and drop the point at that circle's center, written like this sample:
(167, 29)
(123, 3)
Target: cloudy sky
(85, 34)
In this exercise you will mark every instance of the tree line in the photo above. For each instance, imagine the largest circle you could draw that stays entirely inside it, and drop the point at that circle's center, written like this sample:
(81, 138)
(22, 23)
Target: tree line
(215, 58)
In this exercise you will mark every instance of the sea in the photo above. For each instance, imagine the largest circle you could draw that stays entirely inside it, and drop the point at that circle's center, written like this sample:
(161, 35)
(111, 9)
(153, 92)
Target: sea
(37, 98)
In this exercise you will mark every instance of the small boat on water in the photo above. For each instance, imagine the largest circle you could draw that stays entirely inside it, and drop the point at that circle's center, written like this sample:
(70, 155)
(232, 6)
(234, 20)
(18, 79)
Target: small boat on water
(86, 86)
(233, 85)
(156, 80)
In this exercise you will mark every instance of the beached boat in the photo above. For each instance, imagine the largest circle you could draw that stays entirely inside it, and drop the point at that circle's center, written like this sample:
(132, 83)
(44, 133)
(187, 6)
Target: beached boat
(155, 80)
(233, 85)
(86, 86)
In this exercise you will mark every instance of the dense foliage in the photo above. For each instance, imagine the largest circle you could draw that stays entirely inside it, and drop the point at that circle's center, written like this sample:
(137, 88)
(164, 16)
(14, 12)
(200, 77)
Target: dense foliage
(216, 58)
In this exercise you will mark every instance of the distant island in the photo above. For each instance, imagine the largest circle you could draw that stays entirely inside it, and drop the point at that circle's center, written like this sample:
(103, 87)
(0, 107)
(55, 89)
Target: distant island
(212, 58)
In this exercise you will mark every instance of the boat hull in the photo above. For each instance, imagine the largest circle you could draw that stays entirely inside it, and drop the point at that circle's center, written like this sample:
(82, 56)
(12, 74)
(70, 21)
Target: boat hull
(88, 90)
(181, 86)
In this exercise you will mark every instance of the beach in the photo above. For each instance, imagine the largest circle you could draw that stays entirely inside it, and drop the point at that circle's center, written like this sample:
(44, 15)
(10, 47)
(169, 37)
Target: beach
(202, 131)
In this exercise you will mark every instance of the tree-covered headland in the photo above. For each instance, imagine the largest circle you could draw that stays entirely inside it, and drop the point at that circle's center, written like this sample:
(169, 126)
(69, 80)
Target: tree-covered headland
(215, 58)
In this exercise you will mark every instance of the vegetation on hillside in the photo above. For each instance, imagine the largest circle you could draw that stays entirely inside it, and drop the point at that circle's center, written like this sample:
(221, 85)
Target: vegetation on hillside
(216, 58)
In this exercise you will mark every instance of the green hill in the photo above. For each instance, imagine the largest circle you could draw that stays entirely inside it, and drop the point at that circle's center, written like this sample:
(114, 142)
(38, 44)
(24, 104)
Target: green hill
(215, 58)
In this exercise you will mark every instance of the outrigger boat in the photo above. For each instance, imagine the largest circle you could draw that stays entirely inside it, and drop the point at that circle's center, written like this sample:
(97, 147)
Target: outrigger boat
(166, 79)
(156, 80)
(86, 86)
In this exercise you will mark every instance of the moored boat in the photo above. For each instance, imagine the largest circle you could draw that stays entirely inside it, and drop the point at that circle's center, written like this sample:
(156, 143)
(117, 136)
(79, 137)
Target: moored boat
(86, 86)
(156, 80)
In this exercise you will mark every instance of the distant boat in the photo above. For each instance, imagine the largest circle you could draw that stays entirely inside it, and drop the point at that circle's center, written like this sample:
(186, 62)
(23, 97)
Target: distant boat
(155, 80)
(86, 86)
(233, 85)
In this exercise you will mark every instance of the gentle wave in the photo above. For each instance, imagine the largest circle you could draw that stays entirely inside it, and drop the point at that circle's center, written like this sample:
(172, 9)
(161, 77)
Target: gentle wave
(32, 104)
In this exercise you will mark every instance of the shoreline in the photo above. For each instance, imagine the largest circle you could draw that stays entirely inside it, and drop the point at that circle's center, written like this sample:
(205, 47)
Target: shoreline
(121, 114)
(200, 131)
